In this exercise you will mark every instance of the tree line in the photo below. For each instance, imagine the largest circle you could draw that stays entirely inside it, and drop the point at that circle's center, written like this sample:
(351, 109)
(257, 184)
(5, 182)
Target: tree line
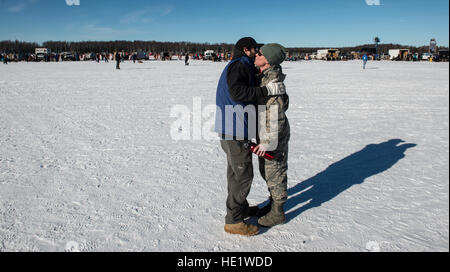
(113, 46)
(21, 47)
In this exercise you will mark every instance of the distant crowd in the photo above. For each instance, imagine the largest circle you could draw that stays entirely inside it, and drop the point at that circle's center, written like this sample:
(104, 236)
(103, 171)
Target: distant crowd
(164, 56)
(106, 57)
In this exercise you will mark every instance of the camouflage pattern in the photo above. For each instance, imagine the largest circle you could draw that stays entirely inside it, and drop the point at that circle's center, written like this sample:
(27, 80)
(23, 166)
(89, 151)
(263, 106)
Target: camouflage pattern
(275, 172)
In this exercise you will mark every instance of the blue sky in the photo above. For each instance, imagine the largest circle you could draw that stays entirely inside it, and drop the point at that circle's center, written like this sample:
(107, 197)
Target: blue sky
(293, 23)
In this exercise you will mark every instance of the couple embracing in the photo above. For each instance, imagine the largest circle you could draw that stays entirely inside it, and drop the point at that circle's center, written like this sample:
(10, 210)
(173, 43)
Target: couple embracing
(253, 78)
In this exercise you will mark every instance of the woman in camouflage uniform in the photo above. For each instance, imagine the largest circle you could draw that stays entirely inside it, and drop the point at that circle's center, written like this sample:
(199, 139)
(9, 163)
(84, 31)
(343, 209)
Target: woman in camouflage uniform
(274, 134)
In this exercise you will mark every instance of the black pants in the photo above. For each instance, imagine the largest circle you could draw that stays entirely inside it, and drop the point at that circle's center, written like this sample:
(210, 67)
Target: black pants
(239, 179)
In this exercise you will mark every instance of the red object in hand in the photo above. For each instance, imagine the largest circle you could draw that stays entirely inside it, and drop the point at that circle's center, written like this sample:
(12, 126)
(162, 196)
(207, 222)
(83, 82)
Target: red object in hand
(268, 155)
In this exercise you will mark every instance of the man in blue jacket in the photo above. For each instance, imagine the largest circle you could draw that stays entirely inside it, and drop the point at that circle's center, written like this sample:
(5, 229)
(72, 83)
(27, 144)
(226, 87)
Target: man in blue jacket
(237, 93)
(364, 59)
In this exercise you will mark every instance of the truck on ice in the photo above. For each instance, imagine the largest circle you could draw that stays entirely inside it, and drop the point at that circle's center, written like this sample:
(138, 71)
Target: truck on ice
(209, 55)
(41, 53)
(398, 54)
(327, 54)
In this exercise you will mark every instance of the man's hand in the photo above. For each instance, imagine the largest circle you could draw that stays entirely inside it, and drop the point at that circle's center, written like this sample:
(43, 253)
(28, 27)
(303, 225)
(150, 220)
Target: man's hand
(275, 88)
(260, 150)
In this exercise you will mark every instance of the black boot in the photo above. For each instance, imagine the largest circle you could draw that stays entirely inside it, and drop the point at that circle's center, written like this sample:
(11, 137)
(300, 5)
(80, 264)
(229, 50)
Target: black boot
(266, 209)
(251, 211)
(274, 217)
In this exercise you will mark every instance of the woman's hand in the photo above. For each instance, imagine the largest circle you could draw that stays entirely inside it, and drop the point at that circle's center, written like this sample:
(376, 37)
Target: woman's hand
(260, 150)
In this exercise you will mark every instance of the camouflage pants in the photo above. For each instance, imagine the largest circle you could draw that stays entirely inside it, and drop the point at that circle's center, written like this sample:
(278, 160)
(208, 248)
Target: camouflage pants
(239, 179)
(275, 173)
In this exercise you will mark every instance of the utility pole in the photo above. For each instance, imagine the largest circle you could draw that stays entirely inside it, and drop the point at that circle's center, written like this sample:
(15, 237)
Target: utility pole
(377, 41)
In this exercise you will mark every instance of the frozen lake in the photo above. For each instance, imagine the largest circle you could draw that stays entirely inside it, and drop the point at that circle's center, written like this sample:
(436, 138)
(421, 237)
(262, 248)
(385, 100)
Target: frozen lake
(87, 161)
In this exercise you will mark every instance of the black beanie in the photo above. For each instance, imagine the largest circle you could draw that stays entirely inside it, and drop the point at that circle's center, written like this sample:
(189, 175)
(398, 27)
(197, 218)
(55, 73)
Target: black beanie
(247, 42)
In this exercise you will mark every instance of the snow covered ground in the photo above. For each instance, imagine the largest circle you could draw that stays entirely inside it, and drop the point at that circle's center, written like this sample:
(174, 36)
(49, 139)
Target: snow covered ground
(87, 161)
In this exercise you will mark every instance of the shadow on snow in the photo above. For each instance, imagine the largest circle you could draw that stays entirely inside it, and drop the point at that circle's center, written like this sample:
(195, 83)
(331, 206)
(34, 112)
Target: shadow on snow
(339, 176)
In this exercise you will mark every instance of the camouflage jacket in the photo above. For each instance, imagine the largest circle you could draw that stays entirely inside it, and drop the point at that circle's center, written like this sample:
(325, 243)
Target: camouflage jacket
(274, 130)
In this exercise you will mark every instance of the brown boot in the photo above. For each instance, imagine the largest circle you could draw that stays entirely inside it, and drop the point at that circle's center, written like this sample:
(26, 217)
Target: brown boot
(242, 229)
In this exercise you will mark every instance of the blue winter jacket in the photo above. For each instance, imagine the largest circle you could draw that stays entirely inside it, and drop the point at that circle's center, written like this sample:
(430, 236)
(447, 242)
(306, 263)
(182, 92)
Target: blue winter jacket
(234, 118)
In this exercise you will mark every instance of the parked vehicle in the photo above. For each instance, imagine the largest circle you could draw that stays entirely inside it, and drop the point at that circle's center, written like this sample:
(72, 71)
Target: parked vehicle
(398, 54)
(68, 56)
(443, 55)
(427, 56)
(327, 54)
(209, 55)
(42, 54)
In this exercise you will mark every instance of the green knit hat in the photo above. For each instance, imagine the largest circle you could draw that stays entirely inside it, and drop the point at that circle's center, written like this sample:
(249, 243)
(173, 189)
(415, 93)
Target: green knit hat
(274, 53)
